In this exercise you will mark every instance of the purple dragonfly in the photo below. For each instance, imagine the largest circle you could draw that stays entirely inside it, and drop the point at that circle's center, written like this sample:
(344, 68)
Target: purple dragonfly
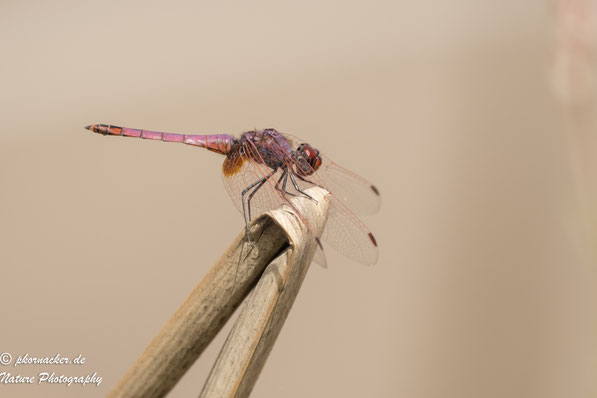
(263, 168)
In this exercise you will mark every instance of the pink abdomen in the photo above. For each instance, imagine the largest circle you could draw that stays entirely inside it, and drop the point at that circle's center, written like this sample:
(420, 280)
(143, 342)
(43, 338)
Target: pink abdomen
(219, 143)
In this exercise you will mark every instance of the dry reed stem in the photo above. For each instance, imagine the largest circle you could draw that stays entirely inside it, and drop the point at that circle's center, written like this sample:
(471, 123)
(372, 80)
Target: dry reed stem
(212, 302)
(265, 310)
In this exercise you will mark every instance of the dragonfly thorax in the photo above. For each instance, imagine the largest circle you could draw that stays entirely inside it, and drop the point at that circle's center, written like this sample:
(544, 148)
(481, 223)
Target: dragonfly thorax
(267, 146)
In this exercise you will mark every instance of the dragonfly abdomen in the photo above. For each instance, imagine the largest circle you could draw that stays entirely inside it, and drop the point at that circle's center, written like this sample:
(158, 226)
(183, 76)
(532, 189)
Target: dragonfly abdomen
(219, 143)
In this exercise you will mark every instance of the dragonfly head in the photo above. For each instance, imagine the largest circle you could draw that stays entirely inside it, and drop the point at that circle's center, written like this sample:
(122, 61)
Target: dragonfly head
(311, 156)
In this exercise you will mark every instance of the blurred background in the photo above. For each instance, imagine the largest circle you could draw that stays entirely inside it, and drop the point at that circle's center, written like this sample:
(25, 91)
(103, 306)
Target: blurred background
(476, 120)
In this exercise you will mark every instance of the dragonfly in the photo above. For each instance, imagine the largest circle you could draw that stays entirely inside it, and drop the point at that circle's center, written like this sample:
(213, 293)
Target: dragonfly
(264, 168)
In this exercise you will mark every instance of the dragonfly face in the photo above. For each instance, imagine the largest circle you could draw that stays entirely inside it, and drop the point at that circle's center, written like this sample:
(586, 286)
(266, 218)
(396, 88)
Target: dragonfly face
(311, 156)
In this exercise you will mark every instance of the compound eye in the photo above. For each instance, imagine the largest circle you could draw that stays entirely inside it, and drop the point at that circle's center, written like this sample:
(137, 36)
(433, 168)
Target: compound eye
(308, 153)
(316, 162)
(311, 155)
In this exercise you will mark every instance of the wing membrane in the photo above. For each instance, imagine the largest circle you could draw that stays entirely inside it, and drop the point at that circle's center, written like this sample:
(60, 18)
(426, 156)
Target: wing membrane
(343, 231)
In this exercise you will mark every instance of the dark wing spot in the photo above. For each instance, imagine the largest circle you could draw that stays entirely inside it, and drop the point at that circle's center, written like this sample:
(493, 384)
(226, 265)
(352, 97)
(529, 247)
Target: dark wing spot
(319, 243)
(374, 189)
(372, 239)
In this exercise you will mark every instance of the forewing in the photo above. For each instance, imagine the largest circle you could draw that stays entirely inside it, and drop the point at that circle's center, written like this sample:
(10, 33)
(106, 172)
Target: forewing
(357, 193)
(344, 231)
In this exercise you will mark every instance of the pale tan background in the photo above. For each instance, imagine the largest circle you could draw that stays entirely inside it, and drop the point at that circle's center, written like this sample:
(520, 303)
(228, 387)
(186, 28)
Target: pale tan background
(480, 290)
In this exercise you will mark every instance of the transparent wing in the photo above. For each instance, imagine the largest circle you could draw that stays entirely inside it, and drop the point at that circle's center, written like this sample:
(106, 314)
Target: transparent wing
(349, 236)
(247, 174)
(344, 231)
(357, 193)
(246, 169)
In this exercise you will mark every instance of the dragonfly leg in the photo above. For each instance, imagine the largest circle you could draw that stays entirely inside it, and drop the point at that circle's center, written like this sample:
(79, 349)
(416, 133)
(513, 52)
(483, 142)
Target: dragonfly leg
(283, 190)
(255, 186)
(310, 182)
(298, 189)
(283, 179)
(255, 189)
